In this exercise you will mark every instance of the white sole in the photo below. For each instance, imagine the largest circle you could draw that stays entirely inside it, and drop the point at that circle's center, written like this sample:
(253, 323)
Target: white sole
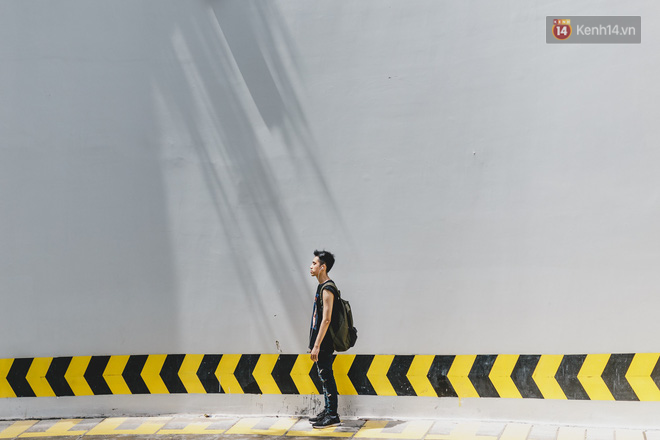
(328, 426)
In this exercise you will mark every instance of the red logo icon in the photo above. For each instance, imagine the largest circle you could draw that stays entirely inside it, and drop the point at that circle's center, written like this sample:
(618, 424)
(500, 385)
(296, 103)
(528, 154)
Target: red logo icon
(561, 29)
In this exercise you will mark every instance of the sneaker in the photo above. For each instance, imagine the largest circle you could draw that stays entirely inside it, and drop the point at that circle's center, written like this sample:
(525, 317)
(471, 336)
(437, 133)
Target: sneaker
(327, 422)
(318, 417)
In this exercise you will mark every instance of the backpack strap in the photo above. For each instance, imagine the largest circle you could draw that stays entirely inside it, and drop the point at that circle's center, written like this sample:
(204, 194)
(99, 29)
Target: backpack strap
(333, 288)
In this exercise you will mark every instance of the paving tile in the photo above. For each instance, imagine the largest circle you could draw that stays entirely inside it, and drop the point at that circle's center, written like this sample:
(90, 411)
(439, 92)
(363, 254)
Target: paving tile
(190, 427)
(115, 437)
(129, 426)
(197, 426)
(15, 428)
(185, 437)
(516, 431)
(442, 428)
(600, 434)
(56, 428)
(409, 430)
(491, 429)
(571, 433)
(462, 431)
(543, 432)
(263, 426)
(628, 434)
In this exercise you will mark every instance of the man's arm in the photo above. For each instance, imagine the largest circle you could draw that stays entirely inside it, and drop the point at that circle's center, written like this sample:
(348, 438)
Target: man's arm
(328, 301)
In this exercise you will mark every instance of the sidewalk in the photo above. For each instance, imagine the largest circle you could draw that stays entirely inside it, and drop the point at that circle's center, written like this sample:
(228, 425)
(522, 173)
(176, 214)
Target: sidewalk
(237, 427)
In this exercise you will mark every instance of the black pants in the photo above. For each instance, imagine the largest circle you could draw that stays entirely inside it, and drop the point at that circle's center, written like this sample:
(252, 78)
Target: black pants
(327, 377)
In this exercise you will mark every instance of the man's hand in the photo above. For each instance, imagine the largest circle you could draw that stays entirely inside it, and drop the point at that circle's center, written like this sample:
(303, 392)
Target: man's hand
(315, 354)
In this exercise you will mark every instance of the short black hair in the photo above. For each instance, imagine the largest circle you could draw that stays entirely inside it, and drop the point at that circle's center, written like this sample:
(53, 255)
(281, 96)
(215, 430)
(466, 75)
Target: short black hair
(326, 258)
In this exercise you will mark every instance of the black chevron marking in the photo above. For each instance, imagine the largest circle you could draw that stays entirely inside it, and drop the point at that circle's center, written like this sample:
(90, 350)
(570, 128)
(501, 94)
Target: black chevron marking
(397, 374)
(314, 374)
(55, 376)
(522, 376)
(133, 374)
(358, 375)
(206, 373)
(17, 377)
(244, 371)
(94, 375)
(567, 377)
(479, 376)
(282, 373)
(170, 373)
(655, 374)
(614, 377)
(438, 376)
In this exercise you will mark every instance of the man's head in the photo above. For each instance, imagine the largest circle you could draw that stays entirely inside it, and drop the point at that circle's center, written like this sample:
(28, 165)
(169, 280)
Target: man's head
(326, 258)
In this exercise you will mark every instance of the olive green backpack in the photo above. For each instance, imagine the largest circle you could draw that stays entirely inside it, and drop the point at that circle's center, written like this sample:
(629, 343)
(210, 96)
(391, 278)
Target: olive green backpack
(342, 331)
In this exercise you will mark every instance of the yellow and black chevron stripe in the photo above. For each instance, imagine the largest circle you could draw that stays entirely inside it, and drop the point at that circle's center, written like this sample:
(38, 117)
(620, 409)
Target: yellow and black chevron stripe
(573, 377)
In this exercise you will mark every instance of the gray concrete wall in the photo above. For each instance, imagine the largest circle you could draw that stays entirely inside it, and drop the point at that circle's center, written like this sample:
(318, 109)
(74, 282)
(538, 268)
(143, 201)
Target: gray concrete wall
(167, 169)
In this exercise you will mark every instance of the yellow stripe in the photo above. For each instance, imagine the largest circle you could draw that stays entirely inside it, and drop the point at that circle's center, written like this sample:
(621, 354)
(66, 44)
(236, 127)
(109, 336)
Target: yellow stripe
(113, 375)
(340, 367)
(192, 428)
(36, 377)
(411, 431)
(17, 428)
(109, 426)
(325, 432)
(418, 375)
(500, 376)
(225, 374)
(639, 376)
(371, 429)
(300, 374)
(151, 374)
(188, 373)
(544, 376)
(263, 374)
(458, 376)
(5, 389)
(591, 377)
(377, 375)
(75, 376)
(60, 429)
(415, 429)
(246, 427)
(463, 431)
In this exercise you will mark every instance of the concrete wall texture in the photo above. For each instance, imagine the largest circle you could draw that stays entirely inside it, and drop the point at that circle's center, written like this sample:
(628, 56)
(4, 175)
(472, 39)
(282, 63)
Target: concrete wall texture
(167, 169)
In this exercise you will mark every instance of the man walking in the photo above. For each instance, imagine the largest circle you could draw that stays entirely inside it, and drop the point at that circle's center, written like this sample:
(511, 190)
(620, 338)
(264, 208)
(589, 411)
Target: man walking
(320, 342)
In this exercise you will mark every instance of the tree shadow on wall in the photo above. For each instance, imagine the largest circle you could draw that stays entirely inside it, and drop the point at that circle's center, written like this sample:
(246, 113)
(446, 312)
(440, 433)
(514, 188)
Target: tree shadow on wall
(235, 93)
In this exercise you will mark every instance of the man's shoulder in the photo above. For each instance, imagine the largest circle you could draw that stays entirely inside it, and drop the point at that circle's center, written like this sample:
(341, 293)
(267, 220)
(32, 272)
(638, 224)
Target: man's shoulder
(330, 286)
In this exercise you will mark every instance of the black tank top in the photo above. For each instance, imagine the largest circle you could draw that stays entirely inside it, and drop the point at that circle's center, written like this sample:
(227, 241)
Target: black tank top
(317, 316)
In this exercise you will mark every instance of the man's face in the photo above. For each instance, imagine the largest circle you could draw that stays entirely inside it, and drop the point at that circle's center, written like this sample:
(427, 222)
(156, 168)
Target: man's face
(315, 268)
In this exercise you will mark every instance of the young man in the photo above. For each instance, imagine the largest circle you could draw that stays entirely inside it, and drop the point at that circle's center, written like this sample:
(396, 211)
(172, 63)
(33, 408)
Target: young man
(320, 342)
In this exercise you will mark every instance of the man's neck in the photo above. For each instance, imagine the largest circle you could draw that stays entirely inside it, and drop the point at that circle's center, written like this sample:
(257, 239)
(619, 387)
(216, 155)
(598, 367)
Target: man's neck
(322, 278)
